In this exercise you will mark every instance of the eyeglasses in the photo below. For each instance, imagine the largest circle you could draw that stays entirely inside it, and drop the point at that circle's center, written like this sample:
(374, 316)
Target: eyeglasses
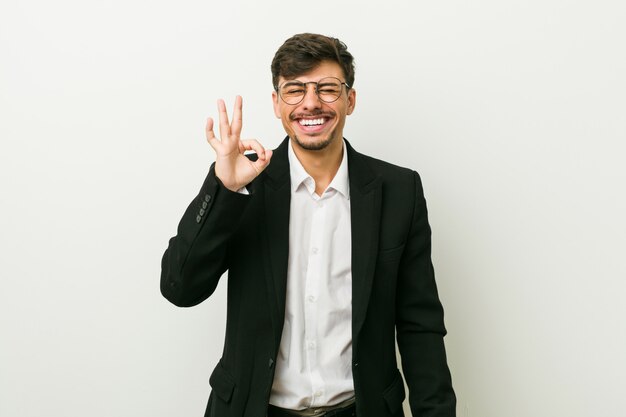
(327, 89)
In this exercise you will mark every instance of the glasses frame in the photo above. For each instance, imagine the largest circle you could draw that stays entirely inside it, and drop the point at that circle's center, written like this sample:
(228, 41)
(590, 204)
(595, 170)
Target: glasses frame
(306, 90)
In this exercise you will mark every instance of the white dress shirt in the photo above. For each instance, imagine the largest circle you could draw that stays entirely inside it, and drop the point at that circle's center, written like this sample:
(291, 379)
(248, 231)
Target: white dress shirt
(313, 367)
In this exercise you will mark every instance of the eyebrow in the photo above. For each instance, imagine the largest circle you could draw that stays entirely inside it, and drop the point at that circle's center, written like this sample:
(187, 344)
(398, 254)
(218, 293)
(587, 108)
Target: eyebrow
(328, 83)
(293, 82)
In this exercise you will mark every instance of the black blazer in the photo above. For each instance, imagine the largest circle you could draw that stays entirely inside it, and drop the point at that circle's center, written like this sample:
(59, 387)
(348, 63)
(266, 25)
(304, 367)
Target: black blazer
(393, 287)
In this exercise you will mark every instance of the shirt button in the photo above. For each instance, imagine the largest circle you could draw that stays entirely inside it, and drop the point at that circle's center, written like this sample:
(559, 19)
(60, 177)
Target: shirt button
(311, 345)
(315, 250)
(318, 393)
(311, 298)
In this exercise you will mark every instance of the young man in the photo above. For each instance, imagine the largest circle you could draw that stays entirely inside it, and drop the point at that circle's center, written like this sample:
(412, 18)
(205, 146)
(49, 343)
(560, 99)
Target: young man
(328, 259)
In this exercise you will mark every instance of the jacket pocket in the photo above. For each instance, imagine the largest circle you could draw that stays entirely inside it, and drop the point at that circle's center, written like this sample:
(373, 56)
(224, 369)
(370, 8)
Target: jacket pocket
(394, 394)
(222, 382)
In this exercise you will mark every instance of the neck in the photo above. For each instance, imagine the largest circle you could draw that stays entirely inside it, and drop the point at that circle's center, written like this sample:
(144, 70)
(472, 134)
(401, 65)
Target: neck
(322, 165)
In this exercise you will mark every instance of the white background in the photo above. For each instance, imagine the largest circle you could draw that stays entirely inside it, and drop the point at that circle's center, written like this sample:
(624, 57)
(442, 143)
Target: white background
(514, 113)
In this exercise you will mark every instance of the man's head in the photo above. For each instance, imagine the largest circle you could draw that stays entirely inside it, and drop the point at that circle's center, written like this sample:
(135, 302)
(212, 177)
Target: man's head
(299, 65)
(303, 52)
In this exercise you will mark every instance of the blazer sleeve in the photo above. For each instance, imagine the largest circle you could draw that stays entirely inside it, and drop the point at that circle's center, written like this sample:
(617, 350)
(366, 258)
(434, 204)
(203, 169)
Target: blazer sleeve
(419, 321)
(196, 257)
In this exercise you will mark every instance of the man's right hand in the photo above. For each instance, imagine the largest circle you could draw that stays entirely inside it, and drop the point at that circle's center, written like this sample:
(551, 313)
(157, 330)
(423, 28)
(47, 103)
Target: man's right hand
(232, 167)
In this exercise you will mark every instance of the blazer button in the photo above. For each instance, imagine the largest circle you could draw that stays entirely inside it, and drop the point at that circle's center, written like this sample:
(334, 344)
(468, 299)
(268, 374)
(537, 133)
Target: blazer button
(198, 219)
(205, 205)
(271, 363)
(202, 212)
(207, 198)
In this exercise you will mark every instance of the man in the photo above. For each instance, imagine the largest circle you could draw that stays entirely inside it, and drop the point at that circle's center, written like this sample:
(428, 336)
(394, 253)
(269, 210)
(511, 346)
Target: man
(328, 258)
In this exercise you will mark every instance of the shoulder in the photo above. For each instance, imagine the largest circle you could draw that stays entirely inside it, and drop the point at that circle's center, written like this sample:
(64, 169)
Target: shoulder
(390, 174)
(386, 168)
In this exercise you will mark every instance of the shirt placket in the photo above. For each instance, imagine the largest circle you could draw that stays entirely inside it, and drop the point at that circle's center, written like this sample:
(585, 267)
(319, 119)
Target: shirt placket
(311, 311)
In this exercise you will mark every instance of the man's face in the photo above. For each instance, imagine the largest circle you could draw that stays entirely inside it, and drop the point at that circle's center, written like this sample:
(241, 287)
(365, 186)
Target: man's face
(302, 121)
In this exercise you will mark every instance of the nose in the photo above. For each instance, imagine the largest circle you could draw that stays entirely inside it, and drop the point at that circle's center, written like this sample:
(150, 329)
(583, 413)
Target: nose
(311, 100)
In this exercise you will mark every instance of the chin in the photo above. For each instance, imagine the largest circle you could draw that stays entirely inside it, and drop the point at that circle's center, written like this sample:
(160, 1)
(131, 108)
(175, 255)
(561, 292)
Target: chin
(314, 144)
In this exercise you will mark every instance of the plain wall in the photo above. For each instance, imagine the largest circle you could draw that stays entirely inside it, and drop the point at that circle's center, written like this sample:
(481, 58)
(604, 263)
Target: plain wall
(513, 112)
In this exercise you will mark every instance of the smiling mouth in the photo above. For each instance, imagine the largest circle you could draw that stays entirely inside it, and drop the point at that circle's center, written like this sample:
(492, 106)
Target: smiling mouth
(313, 122)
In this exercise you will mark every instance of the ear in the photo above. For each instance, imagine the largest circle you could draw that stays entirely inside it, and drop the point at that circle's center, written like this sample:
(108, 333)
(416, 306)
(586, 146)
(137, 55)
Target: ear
(275, 103)
(351, 100)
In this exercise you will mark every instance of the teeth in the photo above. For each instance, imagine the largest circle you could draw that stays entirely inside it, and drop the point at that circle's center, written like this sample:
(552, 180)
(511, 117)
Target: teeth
(313, 122)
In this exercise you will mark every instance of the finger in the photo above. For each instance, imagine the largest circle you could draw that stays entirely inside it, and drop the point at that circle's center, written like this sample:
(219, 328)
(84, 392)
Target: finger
(235, 127)
(210, 136)
(224, 125)
(254, 145)
(261, 164)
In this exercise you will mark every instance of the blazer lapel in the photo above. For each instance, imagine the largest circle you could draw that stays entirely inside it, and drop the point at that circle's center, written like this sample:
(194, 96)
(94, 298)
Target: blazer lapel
(365, 205)
(275, 232)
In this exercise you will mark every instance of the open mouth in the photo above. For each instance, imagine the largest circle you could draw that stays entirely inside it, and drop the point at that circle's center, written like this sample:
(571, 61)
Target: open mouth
(312, 124)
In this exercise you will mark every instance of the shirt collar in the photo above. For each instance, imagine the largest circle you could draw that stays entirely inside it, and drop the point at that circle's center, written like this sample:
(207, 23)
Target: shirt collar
(299, 175)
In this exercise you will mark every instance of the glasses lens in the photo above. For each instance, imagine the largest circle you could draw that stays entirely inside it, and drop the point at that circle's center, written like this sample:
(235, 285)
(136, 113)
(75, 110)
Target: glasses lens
(292, 92)
(329, 89)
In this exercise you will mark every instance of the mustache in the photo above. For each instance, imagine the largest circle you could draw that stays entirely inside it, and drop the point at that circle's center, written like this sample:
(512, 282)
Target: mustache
(319, 113)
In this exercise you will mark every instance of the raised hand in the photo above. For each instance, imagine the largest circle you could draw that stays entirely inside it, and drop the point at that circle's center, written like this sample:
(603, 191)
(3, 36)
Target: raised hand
(231, 166)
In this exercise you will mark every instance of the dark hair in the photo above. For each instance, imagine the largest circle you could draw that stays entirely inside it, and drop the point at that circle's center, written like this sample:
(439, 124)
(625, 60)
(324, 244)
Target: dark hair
(303, 52)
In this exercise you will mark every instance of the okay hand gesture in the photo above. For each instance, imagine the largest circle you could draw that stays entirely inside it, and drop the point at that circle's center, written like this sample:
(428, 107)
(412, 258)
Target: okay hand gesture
(232, 167)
